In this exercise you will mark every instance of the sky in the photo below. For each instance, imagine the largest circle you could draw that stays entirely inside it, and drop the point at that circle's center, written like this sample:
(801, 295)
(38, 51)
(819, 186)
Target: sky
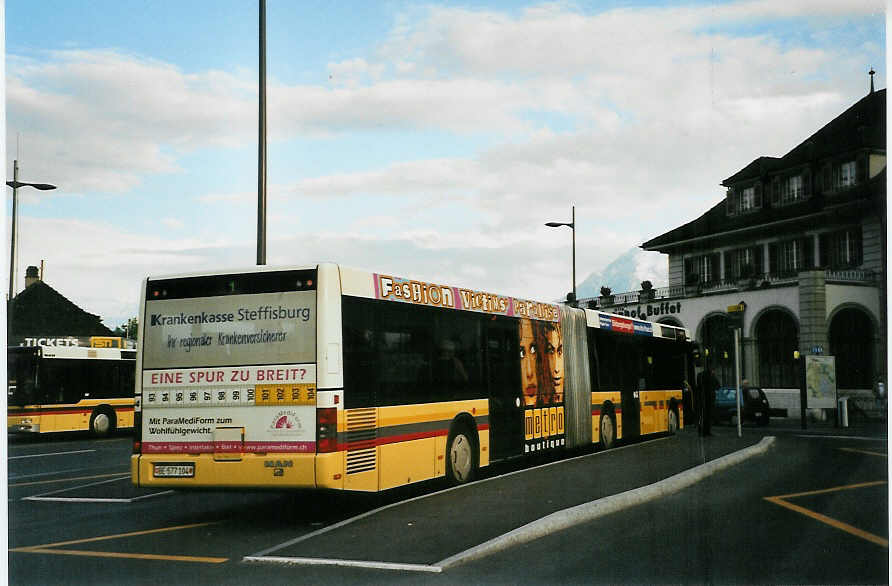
(424, 140)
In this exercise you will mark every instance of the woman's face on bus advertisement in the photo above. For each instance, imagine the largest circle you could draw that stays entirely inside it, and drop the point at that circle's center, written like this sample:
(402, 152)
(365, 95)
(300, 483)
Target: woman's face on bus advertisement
(528, 352)
(554, 354)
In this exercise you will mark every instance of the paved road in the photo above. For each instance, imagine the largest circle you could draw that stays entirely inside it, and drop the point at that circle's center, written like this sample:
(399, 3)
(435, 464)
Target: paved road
(722, 530)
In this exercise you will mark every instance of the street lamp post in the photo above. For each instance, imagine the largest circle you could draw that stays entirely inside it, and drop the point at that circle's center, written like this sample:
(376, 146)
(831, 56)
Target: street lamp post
(15, 184)
(572, 225)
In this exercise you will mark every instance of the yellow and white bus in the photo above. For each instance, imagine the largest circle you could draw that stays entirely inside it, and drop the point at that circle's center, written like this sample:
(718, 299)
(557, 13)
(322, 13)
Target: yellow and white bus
(335, 378)
(69, 388)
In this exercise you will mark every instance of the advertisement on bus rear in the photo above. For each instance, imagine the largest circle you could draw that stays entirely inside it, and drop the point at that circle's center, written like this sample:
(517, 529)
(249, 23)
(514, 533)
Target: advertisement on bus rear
(266, 328)
(233, 409)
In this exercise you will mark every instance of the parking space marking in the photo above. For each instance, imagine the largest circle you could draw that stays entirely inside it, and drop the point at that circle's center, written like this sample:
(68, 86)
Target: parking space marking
(121, 474)
(47, 496)
(50, 454)
(868, 452)
(51, 548)
(781, 501)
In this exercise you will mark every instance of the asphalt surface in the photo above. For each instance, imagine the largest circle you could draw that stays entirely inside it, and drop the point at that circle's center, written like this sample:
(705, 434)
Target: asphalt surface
(471, 515)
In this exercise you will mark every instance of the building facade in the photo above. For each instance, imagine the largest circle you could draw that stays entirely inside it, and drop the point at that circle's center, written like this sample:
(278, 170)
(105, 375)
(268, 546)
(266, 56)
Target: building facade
(41, 316)
(799, 244)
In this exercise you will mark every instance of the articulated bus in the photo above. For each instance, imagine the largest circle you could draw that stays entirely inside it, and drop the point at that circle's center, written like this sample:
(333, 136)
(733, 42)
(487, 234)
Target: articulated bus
(333, 378)
(69, 388)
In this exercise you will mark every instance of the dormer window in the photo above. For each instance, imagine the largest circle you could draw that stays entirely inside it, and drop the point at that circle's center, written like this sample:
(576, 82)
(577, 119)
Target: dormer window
(744, 200)
(792, 189)
(748, 199)
(845, 176)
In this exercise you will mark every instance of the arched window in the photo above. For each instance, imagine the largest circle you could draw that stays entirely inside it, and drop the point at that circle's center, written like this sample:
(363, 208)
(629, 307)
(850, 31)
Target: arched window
(778, 338)
(718, 340)
(851, 341)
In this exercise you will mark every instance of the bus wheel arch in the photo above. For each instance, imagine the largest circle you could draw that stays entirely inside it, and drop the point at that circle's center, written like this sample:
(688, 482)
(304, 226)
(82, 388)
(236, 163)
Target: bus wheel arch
(102, 421)
(462, 450)
(607, 427)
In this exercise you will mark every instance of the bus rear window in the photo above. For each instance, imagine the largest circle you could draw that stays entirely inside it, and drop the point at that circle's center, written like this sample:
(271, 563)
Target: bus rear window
(232, 284)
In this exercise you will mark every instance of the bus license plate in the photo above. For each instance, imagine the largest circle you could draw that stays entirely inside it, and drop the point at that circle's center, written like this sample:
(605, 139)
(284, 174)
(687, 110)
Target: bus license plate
(174, 470)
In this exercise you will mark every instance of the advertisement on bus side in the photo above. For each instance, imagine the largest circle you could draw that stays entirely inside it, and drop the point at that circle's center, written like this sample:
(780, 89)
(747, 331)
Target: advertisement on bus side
(542, 384)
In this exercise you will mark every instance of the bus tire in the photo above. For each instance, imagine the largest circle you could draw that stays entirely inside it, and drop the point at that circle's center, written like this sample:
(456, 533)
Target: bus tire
(461, 455)
(607, 431)
(672, 423)
(102, 422)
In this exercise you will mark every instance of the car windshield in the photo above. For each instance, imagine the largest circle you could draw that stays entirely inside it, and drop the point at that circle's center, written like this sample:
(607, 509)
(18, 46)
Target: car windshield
(752, 393)
(725, 395)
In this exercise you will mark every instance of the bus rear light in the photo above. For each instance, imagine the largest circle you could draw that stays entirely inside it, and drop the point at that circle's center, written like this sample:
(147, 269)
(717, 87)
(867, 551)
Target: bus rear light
(326, 430)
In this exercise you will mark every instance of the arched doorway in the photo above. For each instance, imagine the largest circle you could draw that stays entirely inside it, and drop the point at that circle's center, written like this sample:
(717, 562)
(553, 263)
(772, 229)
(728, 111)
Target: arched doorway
(717, 350)
(670, 321)
(777, 337)
(851, 340)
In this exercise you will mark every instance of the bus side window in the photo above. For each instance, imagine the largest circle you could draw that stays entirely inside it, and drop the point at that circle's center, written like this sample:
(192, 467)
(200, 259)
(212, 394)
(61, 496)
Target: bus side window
(360, 370)
(595, 366)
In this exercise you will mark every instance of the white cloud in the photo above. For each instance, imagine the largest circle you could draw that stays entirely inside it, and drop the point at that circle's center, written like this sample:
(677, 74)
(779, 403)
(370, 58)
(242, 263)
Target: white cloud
(633, 114)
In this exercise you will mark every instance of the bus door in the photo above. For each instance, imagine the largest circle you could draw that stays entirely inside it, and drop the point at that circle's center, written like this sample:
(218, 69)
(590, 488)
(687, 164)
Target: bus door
(629, 380)
(506, 431)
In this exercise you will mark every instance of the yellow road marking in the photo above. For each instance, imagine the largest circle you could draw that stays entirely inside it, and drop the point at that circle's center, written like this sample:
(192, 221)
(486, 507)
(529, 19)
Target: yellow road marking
(111, 554)
(834, 489)
(50, 547)
(779, 500)
(868, 452)
(121, 474)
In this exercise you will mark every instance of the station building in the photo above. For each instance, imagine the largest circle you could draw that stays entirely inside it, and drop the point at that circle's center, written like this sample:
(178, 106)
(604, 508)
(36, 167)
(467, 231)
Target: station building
(798, 243)
(41, 316)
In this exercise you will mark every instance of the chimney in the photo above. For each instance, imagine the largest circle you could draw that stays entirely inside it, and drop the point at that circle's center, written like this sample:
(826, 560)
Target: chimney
(31, 276)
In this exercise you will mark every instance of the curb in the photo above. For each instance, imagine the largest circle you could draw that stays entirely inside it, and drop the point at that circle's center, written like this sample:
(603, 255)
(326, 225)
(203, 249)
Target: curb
(592, 510)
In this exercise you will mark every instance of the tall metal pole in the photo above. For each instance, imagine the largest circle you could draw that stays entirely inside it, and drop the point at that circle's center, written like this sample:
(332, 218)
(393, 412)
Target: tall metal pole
(574, 252)
(261, 154)
(737, 375)
(15, 179)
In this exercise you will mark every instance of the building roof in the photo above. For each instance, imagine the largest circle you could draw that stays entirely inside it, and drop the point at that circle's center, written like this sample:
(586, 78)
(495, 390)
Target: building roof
(863, 125)
(41, 310)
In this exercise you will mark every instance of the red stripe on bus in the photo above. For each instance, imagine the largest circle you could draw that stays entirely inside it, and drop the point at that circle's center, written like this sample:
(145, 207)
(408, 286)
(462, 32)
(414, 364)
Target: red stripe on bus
(395, 439)
(597, 410)
(61, 411)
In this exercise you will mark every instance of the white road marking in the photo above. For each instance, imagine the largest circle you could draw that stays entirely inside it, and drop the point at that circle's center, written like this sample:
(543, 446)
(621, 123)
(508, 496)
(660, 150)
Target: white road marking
(51, 454)
(48, 496)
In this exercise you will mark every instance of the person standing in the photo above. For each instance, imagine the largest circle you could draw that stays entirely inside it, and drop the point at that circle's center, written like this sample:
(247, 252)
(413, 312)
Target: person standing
(707, 386)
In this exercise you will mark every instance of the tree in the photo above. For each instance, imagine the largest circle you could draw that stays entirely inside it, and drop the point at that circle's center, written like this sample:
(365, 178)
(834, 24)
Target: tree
(128, 330)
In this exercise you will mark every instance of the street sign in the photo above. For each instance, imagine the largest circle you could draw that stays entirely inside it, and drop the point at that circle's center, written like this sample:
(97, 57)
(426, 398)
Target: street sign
(735, 316)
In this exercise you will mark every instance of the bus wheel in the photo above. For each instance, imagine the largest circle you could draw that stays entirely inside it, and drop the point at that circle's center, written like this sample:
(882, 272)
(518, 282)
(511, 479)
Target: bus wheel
(673, 420)
(102, 422)
(461, 456)
(607, 430)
